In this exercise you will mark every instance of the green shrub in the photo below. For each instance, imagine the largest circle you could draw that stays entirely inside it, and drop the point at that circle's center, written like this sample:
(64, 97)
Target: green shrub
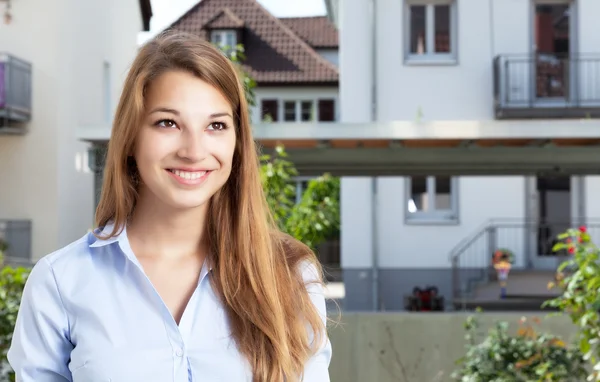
(12, 282)
(524, 356)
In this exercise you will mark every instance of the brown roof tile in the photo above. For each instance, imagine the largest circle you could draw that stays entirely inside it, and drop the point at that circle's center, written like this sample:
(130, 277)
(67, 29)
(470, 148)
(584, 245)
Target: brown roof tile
(223, 19)
(317, 31)
(274, 53)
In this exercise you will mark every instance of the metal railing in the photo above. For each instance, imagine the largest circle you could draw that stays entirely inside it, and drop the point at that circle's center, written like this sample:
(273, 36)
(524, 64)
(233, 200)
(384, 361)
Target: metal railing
(16, 235)
(547, 80)
(530, 241)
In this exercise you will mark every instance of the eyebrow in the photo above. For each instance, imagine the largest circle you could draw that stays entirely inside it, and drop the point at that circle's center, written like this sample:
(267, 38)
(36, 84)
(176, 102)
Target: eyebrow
(173, 111)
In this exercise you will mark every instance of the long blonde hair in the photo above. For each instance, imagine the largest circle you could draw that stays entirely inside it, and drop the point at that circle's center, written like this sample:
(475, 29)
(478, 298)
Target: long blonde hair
(255, 267)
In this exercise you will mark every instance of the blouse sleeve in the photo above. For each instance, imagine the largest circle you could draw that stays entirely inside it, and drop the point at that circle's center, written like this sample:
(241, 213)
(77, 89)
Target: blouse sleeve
(40, 348)
(317, 367)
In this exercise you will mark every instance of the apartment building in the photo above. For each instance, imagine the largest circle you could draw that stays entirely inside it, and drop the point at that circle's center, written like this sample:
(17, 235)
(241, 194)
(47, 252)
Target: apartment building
(466, 126)
(61, 69)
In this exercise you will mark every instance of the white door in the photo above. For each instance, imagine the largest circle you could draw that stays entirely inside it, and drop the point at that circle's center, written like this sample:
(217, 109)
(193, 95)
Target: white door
(553, 206)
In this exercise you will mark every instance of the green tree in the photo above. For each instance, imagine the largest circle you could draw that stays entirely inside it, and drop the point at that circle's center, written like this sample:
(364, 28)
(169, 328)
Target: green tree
(237, 56)
(579, 280)
(316, 217)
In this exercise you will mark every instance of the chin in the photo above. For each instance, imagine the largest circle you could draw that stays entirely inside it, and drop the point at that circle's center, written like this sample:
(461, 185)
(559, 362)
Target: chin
(188, 202)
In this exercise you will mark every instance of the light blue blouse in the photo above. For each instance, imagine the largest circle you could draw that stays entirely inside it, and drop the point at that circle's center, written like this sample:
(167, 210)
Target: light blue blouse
(89, 313)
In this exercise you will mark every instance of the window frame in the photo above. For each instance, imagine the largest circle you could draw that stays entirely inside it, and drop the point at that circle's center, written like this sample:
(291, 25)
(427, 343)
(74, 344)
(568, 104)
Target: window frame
(298, 108)
(434, 216)
(223, 33)
(430, 57)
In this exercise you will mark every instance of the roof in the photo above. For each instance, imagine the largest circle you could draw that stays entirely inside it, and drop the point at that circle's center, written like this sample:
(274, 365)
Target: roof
(317, 31)
(146, 11)
(275, 54)
(224, 19)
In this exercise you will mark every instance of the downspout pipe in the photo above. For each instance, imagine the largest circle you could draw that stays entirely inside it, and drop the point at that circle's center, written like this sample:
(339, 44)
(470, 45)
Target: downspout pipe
(374, 199)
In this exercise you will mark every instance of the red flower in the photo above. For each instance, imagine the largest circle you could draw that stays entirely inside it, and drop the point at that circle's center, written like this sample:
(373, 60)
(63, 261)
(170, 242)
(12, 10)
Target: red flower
(583, 229)
(569, 240)
(580, 239)
(571, 249)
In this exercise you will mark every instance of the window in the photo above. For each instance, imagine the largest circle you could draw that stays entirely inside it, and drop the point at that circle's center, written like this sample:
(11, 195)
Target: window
(269, 110)
(224, 39)
(430, 30)
(431, 199)
(326, 110)
(289, 111)
(322, 110)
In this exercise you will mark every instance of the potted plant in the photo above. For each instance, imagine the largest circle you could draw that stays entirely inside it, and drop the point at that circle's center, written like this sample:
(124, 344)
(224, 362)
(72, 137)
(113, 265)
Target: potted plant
(502, 260)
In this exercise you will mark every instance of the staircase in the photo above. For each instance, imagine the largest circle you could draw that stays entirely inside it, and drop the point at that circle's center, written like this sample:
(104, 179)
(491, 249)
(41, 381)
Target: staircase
(527, 290)
(474, 281)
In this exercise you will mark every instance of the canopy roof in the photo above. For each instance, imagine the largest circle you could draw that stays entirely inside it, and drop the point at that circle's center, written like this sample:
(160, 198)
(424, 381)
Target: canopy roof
(524, 147)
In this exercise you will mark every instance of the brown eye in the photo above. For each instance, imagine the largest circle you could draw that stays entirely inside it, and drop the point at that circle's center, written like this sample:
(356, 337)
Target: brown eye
(217, 126)
(166, 123)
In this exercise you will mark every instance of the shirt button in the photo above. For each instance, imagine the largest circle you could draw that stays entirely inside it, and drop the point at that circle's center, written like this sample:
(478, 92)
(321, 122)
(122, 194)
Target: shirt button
(179, 353)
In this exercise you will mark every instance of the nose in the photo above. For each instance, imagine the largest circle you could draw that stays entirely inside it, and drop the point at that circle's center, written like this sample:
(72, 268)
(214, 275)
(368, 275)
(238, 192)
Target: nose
(192, 146)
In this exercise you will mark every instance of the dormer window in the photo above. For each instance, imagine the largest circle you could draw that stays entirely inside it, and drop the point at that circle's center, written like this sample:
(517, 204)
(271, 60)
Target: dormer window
(224, 38)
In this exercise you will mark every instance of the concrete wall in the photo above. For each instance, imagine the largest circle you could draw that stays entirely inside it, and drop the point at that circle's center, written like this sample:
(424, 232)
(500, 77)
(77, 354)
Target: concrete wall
(412, 347)
(44, 173)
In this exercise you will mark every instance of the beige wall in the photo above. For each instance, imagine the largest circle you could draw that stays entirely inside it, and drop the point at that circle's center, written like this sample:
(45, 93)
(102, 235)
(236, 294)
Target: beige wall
(377, 347)
(44, 174)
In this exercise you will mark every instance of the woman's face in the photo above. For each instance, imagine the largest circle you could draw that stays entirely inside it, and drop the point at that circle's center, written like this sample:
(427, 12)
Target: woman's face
(184, 149)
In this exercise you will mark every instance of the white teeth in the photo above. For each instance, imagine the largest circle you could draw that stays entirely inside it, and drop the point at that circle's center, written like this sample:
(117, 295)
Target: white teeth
(189, 175)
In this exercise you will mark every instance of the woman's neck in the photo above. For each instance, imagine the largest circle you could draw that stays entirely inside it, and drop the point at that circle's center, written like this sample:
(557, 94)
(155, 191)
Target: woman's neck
(159, 231)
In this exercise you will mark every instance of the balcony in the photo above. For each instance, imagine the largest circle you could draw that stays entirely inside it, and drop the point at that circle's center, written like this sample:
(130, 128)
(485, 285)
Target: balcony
(547, 86)
(15, 94)
(16, 235)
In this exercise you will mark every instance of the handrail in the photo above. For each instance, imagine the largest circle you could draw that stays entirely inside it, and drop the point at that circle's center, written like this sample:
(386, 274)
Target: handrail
(455, 252)
(466, 243)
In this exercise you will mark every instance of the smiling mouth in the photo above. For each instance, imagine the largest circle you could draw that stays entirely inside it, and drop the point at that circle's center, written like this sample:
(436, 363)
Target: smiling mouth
(188, 175)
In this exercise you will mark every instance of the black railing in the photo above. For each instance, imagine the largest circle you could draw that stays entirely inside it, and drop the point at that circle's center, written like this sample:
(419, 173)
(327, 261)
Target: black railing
(531, 242)
(15, 90)
(547, 85)
(15, 235)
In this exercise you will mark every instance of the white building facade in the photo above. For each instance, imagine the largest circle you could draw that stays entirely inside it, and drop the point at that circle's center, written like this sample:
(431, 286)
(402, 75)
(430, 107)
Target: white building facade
(76, 54)
(437, 61)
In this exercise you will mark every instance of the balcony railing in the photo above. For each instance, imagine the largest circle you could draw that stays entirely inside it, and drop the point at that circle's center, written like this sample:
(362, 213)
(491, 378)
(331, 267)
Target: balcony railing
(547, 86)
(15, 92)
(16, 234)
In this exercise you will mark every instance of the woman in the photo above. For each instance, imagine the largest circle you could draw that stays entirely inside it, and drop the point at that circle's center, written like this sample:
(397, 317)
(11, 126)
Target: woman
(187, 278)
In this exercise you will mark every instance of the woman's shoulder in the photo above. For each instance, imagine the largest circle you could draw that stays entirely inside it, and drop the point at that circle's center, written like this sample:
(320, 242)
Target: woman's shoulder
(68, 259)
(69, 252)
